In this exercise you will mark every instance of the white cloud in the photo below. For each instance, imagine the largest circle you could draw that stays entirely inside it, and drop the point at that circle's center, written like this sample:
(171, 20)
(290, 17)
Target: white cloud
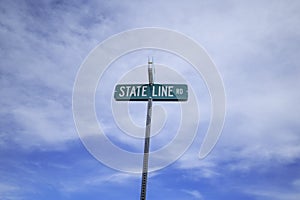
(88, 181)
(194, 193)
(196, 168)
(40, 60)
(274, 193)
(296, 183)
(44, 124)
(9, 191)
(118, 178)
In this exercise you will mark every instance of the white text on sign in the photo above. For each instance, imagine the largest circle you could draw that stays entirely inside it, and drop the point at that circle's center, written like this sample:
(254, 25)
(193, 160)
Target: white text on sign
(158, 92)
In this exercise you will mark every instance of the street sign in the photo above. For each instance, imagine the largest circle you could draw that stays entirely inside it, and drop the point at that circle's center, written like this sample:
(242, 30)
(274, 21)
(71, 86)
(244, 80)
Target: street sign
(157, 92)
(149, 92)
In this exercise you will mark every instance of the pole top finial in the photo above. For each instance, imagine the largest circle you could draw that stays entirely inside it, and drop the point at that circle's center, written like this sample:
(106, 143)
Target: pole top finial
(150, 61)
(150, 70)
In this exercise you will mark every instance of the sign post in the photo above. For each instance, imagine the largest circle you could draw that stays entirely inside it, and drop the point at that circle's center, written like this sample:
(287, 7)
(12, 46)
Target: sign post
(147, 136)
(150, 92)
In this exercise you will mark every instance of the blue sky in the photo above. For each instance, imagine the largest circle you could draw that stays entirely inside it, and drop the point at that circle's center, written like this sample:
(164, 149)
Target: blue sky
(255, 46)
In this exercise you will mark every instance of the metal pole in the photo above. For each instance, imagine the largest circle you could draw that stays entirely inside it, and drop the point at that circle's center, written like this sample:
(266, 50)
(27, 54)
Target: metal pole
(147, 134)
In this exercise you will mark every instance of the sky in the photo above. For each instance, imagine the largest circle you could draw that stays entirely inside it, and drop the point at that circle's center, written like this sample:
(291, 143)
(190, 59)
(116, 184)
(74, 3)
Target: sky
(253, 44)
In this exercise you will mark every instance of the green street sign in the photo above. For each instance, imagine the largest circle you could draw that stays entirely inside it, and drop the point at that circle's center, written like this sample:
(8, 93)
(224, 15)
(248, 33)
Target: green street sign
(158, 92)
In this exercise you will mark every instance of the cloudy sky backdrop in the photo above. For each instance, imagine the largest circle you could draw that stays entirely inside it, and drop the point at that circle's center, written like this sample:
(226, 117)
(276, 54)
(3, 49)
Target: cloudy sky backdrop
(255, 46)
